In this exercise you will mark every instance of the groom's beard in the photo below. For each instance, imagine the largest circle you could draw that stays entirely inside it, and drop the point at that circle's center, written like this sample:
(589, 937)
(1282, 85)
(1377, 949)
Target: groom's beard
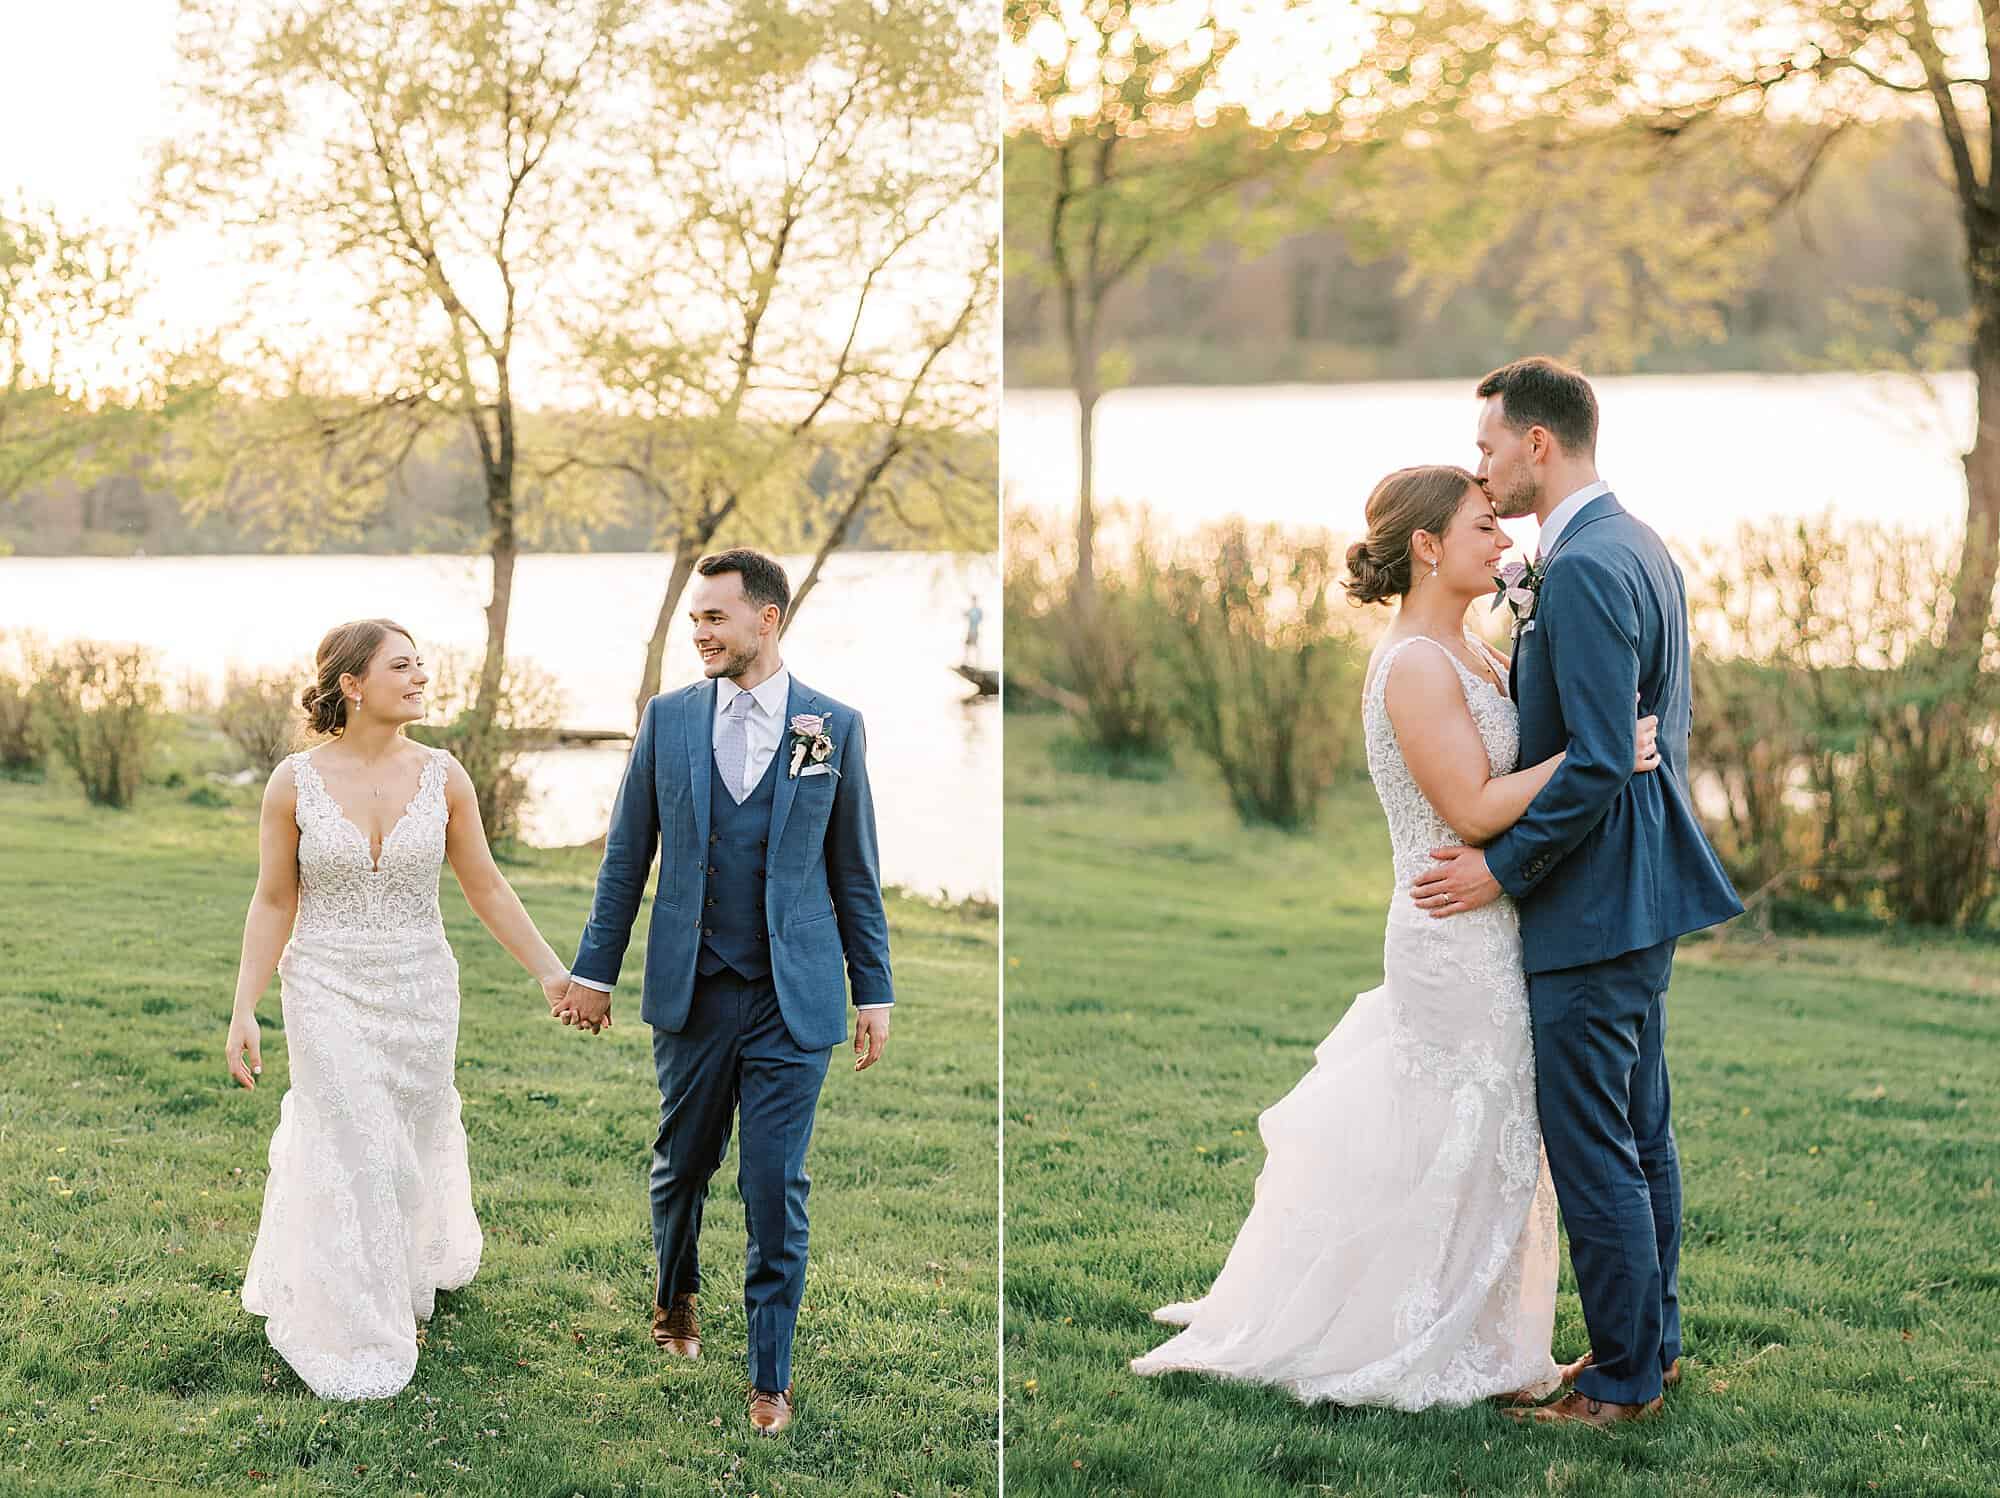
(1514, 502)
(730, 663)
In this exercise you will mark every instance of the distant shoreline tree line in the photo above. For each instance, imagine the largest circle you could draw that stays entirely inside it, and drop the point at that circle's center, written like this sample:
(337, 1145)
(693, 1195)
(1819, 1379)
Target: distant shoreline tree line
(433, 503)
(1863, 272)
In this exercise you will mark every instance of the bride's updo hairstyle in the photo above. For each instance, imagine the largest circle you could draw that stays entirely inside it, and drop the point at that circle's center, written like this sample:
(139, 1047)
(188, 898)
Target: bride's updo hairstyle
(346, 649)
(1409, 500)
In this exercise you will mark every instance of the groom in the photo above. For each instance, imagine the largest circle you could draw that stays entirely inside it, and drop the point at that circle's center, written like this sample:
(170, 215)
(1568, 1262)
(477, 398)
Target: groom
(1608, 867)
(754, 789)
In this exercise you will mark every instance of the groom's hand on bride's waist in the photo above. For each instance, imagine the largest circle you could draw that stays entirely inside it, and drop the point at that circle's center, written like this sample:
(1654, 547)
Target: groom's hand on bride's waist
(1456, 881)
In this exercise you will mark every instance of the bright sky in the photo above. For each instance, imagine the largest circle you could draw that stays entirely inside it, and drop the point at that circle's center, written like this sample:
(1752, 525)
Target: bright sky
(84, 101)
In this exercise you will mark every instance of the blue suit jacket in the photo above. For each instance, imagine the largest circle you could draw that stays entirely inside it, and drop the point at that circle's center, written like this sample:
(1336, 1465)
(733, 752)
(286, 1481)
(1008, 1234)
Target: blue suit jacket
(1606, 861)
(822, 892)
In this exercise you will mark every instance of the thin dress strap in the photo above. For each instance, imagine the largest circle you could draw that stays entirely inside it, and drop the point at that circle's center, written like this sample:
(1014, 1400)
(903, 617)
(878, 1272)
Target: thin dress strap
(1381, 677)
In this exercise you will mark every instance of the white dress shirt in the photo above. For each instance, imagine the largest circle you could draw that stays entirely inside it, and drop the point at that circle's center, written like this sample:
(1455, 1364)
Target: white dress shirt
(1564, 513)
(763, 731)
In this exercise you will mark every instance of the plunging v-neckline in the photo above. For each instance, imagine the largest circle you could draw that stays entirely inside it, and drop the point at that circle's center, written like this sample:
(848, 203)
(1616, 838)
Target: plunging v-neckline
(373, 851)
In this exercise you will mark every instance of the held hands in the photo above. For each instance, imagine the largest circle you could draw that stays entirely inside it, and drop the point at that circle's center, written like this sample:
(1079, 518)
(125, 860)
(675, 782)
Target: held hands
(581, 1005)
(871, 1036)
(243, 1038)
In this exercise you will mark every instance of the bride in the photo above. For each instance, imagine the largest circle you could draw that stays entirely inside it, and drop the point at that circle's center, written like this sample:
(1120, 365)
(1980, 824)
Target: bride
(1401, 1250)
(368, 1206)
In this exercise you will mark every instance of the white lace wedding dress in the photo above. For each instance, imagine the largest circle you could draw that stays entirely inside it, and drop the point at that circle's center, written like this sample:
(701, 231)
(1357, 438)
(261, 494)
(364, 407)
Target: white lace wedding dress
(1401, 1250)
(368, 1207)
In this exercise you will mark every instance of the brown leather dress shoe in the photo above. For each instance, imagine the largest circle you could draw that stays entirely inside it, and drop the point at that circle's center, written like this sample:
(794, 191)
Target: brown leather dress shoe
(677, 1327)
(1583, 1410)
(1672, 1376)
(770, 1413)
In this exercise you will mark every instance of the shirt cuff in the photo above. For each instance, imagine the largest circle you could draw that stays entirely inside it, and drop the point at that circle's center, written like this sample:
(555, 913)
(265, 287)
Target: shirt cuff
(859, 1007)
(589, 983)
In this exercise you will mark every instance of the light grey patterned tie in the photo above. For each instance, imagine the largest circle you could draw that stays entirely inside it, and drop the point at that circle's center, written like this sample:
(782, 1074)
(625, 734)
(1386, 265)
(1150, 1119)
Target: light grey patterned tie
(732, 749)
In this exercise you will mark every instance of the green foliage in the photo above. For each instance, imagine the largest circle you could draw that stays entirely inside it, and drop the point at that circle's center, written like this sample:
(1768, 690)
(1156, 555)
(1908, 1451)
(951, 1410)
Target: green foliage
(1096, 655)
(261, 715)
(1169, 972)
(98, 708)
(22, 748)
(1863, 275)
(1854, 757)
(489, 736)
(1263, 682)
(62, 289)
(124, 1346)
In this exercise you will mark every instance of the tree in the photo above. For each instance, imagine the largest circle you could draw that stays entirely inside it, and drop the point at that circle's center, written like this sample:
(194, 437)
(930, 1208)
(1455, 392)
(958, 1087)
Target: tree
(908, 459)
(425, 162)
(817, 176)
(63, 291)
(1641, 156)
(1118, 158)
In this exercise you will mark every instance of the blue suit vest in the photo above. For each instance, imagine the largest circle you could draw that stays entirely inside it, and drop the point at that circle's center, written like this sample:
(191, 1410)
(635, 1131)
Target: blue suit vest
(733, 923)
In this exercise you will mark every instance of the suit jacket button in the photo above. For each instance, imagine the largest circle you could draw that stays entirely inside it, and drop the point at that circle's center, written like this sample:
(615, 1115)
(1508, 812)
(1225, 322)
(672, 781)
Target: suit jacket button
(715, 837)
(711, 899)
(712, 869)
(762, 843)
(708, 931)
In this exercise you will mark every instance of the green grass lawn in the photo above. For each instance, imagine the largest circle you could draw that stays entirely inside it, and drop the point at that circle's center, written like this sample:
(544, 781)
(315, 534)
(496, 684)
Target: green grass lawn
(1168, 973)
(134, 1174)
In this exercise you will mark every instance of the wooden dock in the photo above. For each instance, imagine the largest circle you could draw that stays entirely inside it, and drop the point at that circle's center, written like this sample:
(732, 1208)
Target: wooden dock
(568, 738)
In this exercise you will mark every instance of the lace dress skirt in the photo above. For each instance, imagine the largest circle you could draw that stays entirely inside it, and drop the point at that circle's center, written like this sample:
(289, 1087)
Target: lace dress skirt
(368, 1207)
(1401, 1249)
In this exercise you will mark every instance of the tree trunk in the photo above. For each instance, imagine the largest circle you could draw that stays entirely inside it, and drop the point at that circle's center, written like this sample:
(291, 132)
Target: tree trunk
(689, 546)
(685, 557)
(1087, 396)
(1972, 594)
(504, 552)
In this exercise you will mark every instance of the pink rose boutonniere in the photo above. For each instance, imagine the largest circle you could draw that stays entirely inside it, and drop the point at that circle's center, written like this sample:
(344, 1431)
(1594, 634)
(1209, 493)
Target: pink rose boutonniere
(810, 740)
(1519, 586)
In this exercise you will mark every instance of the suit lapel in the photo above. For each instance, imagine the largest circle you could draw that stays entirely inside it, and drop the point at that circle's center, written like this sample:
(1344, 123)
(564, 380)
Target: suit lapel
(699, 728)
(798, 700)
(1606, 504)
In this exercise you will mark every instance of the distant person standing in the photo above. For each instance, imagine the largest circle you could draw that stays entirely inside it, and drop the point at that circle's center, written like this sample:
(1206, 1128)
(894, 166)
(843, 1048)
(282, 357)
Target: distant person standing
(974, 615)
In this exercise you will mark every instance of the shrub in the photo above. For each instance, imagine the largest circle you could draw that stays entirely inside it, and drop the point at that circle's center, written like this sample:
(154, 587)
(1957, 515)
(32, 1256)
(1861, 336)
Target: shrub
(98, 706)
(22, 751)
(1856, 760)
(490, 742)
(1264, 685)
(261, 715)
(1095, 656)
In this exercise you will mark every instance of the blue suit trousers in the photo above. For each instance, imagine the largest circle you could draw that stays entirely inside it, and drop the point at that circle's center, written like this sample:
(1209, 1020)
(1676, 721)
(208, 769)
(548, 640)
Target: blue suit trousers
(735, 1053)
(1601, 1087)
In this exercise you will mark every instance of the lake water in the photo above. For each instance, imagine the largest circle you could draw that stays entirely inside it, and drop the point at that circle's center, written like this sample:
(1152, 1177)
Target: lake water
(881, 631)
(1690, 454)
